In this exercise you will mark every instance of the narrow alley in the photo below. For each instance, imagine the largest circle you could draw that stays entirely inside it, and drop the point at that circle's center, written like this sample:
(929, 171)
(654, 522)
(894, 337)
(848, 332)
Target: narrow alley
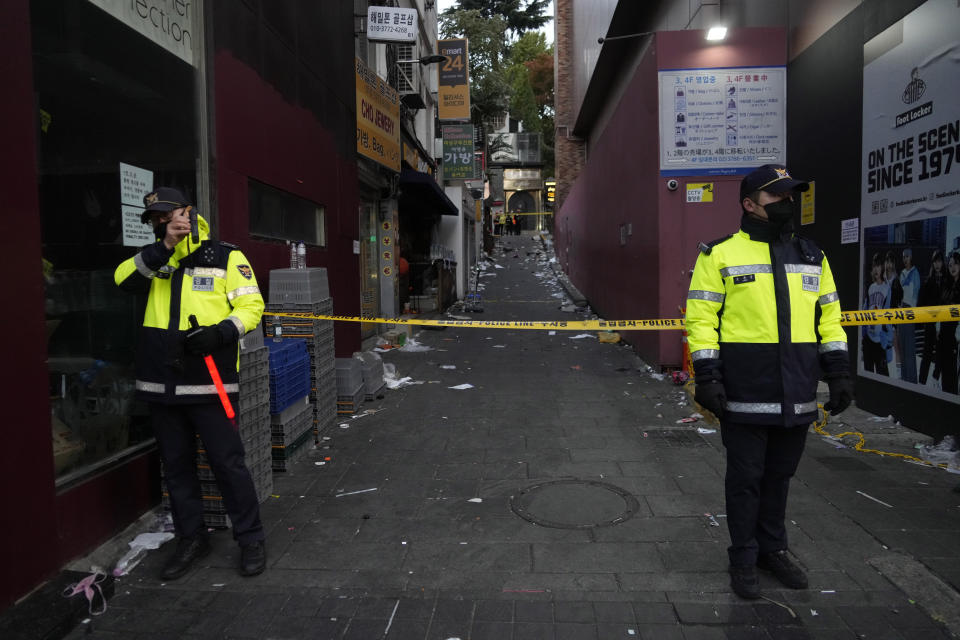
(559, 496)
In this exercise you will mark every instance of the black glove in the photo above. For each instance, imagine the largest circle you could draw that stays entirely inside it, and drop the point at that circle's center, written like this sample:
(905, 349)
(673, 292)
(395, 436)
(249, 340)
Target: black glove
(711, 396)
(203, 340)
(841, 394)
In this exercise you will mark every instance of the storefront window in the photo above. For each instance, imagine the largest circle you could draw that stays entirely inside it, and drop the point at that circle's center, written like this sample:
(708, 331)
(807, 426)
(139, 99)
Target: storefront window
(106, 95)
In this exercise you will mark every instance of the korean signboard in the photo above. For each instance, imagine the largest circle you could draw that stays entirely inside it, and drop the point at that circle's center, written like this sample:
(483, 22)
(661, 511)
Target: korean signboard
(458, 156)
(391, 24)
(910, 199)
(378, 118)
(722, 121)
(453, 81)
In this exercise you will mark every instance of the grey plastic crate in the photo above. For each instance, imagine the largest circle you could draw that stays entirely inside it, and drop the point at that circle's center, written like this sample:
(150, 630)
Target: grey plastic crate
(349, 375)
(298, 286)
(290, 412)
(252, 340)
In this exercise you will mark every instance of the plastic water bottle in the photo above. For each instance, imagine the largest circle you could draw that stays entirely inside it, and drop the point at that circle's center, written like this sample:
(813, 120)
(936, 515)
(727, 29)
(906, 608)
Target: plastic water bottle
(293, 254)
(302, 256)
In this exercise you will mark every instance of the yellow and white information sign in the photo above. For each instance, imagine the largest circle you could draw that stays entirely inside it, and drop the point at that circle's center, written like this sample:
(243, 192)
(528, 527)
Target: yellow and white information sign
(699, 192)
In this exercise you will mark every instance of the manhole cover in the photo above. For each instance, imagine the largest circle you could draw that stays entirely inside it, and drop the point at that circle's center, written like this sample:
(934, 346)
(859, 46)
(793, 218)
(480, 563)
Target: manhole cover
(680, 438)
(574, 504)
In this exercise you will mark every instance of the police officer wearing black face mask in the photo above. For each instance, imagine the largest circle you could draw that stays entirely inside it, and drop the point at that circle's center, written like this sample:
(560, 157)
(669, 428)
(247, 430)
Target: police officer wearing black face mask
(763, 324)
(188, 277)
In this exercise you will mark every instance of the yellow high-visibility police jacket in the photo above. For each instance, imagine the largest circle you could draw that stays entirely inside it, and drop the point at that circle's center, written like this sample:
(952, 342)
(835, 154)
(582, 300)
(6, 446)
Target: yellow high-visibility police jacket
(764, 317)
(211, 280)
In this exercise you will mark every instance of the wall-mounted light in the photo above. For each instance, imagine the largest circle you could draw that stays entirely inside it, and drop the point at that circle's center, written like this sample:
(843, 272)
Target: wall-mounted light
(717, 33)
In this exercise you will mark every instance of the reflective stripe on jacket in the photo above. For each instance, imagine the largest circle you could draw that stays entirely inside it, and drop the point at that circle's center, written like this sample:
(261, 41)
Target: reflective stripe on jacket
(211, 280)
(767, 313)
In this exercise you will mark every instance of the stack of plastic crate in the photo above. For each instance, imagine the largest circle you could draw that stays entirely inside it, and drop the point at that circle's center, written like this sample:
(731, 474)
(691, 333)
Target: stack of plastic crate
(253, 410)
(253, 423)
(307, 291)
(350, 391)
(291, 415)
(291, 433)
(372, 366)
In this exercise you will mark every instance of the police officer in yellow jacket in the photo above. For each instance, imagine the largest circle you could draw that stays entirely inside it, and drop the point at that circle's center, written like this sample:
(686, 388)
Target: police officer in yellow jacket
(763, 324)
(187, 275)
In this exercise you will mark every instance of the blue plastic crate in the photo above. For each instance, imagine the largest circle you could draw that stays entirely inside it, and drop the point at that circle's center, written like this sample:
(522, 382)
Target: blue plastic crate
(289, 374)
(286, 351)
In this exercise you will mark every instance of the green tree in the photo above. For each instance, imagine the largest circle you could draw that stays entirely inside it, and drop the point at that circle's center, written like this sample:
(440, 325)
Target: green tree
(531, 83)
(520, 15)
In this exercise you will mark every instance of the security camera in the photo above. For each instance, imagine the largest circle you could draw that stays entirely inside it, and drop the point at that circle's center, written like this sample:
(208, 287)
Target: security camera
(672, 184)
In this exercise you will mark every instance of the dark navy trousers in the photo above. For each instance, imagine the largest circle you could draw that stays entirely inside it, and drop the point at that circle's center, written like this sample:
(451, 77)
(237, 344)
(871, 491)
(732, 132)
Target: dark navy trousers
(174, 427)
(761, 460)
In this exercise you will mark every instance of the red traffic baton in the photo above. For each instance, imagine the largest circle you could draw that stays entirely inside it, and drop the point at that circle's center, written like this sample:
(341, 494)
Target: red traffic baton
(215, 376)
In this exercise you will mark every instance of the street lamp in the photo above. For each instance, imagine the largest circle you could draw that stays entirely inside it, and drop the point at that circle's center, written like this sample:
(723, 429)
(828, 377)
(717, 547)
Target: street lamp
(415, 100)
(425, 60)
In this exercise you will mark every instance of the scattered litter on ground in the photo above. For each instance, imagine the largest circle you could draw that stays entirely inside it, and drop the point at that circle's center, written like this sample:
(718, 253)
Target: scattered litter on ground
(551, 333)
(350, 493)
(576, 367)
(391, 380)
(475, 500)
(448, 366)
(713, 521)
(461, 387)
(581, 336)
(704, 431)
(90, 588)
(880, 418)
(944, 452)
(680, 378)
(499, 346)
(138, 550)
(413, 345)
(875, 499)
(657, 376)
(608, 337)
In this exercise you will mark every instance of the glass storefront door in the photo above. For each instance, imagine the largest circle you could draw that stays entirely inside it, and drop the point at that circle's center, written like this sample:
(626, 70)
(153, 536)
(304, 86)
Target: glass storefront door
(106, 96)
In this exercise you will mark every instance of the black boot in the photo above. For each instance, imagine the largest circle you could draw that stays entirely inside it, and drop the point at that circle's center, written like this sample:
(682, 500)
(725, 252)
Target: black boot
(253, 558)
(189, 550)
(744, 581)
(780, 565)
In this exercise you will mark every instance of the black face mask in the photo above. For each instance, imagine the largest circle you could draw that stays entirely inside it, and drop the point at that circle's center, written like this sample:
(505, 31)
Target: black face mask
(780, 212)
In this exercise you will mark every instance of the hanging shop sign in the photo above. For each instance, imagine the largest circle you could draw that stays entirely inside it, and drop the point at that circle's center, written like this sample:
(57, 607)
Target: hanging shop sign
(378, 118)
(910, 197)
(134, 184)
(459, 161)
(391, 24)
(808, 199)
(453, 81)
(722, 121)
(168, 23)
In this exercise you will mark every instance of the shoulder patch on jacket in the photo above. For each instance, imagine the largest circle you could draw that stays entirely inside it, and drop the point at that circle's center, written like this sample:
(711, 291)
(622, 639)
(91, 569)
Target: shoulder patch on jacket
(708, 247)
(809, 250)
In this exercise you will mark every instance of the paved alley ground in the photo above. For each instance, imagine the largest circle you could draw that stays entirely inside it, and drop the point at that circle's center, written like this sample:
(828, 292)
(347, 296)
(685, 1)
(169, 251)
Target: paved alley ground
(558, 498)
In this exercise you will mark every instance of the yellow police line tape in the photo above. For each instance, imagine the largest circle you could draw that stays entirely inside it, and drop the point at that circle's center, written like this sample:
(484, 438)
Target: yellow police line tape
(526, 213)
(904, 315)
(819, 425)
